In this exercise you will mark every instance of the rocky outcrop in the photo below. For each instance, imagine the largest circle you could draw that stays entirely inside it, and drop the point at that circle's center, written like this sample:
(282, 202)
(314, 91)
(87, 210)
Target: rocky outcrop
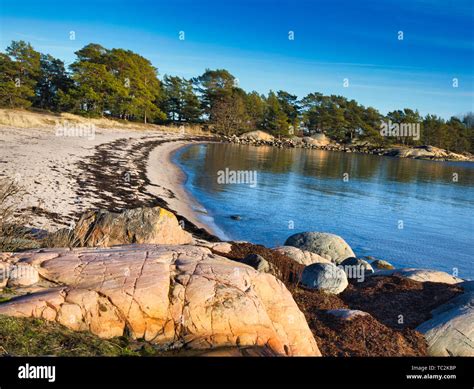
(451, 330)
(325, 277)
(425, 152)
(301, 256)
(257, 136)
(322, 142)
(326, 245)
(260, 138)
(141, 225)
(307, 140)
(174, 296)
(421, 275)
(321, 139)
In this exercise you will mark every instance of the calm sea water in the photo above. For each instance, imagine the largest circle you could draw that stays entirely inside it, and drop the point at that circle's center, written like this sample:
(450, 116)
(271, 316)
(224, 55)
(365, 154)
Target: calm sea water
(409, 212)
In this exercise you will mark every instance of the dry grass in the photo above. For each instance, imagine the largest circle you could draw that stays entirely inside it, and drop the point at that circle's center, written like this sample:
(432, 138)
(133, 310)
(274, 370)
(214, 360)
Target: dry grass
(14, 235)
(21, 118)
(65, 237)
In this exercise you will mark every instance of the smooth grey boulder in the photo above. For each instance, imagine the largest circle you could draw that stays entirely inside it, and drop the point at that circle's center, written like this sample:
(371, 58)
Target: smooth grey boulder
(326, 245)
(325, 277)
(451, 330)
(356, 268)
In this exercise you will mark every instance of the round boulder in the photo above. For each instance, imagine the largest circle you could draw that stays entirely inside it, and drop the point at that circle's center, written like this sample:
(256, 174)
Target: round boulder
(301, 256)
(326, 245)
(325, 277)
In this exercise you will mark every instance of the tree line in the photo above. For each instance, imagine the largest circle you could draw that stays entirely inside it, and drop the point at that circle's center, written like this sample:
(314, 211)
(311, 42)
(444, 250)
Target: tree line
(122, 84)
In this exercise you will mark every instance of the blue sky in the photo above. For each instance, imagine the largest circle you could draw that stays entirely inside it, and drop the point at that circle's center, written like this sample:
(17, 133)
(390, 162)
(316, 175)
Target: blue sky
(333, 41)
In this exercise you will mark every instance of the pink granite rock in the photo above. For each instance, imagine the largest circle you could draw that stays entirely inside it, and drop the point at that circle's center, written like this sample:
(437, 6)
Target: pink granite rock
(171, 295)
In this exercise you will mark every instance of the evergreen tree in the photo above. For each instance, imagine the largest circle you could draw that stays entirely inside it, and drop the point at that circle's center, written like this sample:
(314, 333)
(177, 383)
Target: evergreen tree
(213, 86)
(53, 78)
(191, 110)
(289, 105)
(371, 121)
(255, 106)
(276, 121)
(228, 113)
(19, 73)
(123, 84)
(116, 82)
(180, 102)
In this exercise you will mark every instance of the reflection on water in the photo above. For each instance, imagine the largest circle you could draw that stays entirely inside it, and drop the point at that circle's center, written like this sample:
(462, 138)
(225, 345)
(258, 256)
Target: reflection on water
(305, 189)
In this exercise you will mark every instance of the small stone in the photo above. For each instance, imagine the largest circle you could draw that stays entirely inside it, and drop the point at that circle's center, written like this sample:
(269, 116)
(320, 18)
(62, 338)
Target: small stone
(346, 314)
(381, 264)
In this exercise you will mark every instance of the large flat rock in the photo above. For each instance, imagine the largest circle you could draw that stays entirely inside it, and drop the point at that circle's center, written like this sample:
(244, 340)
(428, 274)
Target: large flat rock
(176, 296)
(421, 275)
(451, 330)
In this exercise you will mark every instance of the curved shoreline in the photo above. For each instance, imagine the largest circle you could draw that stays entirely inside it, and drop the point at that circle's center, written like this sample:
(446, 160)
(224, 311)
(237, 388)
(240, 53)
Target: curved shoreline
(65, 176)
(168, 182)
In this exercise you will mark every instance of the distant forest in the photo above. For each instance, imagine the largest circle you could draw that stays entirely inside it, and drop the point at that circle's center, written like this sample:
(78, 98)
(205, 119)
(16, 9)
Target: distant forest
(121, 84)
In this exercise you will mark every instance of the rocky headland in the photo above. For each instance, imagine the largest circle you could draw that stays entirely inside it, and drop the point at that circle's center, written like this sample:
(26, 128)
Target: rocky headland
(322, 142)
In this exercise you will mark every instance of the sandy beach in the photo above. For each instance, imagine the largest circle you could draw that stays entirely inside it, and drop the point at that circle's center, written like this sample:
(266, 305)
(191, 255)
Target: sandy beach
(162, 170)
(116, 168)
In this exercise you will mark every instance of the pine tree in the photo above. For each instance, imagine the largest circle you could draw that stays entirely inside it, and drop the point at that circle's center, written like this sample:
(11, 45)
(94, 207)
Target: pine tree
(213, 86)
(276, 121)
(53, 79)
(19, 73)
